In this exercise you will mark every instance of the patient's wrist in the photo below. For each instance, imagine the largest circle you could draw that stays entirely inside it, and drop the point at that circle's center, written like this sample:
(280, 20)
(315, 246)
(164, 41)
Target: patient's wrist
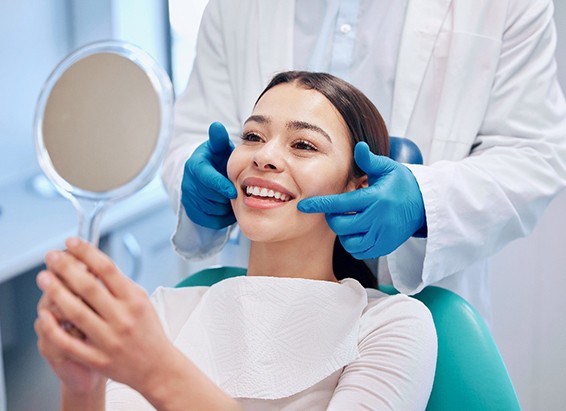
(178, 384)
(92, 400)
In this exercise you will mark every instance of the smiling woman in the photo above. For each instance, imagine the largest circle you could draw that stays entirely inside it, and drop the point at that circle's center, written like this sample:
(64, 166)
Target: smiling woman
(292, 334)
(298, 142)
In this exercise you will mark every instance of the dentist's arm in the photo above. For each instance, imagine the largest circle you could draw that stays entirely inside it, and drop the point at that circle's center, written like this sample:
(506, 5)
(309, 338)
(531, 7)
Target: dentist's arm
(205, 188)
(374, 221)
(210, 94)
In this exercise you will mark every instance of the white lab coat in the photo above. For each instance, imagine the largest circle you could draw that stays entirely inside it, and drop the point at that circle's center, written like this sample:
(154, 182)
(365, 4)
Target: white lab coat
(476, 89)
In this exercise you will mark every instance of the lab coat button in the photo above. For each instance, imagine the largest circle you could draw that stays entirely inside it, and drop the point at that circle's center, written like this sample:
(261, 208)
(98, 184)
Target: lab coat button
(345, 28)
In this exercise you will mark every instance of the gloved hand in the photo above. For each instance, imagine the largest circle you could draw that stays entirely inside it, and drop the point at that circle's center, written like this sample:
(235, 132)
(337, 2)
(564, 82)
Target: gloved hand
(374, 221)
(205, 189)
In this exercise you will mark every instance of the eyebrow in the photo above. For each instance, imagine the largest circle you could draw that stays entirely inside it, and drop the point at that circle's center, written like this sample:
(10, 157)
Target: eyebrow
(303, 125)
(291, 125)
(258, 119)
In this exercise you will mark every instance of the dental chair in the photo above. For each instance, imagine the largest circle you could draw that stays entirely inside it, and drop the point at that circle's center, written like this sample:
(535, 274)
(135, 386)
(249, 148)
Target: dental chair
(470, 372)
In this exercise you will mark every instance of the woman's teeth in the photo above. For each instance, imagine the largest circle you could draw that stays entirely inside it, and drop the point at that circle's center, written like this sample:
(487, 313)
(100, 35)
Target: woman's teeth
(265, 192)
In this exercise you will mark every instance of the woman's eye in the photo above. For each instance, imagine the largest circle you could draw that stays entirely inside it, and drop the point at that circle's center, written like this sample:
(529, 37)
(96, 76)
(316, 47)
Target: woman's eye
(250, 137)
(304, 145)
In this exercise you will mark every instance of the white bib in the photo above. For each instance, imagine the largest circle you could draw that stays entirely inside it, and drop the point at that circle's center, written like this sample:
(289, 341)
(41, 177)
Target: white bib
(269, 337)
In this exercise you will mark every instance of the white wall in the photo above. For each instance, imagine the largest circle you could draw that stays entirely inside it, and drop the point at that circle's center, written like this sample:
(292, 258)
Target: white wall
(528, 281)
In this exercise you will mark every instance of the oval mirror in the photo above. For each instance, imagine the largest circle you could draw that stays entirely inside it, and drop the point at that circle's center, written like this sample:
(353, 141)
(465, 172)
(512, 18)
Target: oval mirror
(102, 123)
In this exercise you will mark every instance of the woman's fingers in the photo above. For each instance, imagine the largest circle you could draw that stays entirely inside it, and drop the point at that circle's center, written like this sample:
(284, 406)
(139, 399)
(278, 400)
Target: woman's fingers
(75, 275)
(100, 265)
(115, 314)
(47, 304)
(57, 346)
(73, 309)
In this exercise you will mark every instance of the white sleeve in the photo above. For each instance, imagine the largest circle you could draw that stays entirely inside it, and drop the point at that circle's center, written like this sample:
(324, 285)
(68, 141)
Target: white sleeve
(398, 349)
(517, 164)
(208, 97)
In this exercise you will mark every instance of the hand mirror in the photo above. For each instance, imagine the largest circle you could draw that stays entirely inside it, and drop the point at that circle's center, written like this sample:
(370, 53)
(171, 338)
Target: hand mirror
(102, 123)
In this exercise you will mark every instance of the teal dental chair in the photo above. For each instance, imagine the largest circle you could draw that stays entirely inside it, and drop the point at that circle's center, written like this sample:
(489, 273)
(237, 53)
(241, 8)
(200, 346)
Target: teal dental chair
(470, 372)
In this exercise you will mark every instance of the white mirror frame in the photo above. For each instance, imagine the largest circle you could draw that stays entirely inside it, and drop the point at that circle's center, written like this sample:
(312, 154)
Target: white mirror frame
(90, 204)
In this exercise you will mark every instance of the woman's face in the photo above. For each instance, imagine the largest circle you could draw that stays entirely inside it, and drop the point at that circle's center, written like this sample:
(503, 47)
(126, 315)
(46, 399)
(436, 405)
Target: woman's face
(295, 145)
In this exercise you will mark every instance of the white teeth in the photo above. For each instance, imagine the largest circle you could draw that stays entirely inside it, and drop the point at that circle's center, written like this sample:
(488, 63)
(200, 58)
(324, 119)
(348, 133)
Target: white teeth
(265, 192)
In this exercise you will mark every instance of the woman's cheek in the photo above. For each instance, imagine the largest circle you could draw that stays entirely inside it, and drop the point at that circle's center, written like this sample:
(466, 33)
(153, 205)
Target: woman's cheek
(232, 165)
(326, 185)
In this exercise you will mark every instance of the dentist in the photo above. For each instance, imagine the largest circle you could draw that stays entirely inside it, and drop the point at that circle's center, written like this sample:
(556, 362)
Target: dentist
(472, 83)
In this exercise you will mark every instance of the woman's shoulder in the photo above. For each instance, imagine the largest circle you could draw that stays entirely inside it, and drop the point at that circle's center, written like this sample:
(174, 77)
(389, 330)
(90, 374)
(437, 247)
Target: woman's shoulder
(399, 311)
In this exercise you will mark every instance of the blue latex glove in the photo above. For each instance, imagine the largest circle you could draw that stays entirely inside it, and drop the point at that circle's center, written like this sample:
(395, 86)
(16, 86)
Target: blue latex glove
(205, 189)
(374, 221)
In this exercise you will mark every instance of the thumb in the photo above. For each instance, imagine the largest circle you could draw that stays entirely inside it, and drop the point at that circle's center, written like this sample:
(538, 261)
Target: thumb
(371, 164)
(218, 139)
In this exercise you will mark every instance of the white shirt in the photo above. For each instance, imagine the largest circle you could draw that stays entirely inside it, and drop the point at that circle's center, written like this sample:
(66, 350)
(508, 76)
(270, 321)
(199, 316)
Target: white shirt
(297, 344)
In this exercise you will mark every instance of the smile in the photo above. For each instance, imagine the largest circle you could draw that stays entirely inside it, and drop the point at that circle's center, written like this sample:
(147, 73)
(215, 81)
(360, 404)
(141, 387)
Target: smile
(266, 193)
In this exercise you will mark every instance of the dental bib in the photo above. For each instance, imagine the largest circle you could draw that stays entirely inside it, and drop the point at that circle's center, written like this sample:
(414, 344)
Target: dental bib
(270, 338)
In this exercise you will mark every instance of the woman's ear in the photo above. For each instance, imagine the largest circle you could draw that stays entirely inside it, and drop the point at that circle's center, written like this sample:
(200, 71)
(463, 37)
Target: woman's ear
(358, 182)
(362, 182)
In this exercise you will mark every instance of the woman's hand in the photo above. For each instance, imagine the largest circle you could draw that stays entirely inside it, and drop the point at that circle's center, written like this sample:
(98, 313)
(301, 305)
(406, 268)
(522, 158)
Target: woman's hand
(123, 337)
(120, 337)
(75, 376)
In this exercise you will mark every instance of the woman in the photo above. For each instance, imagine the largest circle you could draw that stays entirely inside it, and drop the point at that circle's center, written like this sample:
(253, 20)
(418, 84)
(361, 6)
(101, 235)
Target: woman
(298, 332)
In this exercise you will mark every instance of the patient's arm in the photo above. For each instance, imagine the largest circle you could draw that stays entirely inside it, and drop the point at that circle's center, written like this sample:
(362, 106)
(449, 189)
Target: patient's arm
(123, 337)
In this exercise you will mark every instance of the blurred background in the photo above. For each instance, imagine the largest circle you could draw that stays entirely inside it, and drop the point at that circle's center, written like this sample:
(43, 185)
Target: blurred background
(527, 278)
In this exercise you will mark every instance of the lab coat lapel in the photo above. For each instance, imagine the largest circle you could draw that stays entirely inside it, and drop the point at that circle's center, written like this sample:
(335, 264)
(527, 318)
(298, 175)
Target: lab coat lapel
(422, 24)
(275, 45)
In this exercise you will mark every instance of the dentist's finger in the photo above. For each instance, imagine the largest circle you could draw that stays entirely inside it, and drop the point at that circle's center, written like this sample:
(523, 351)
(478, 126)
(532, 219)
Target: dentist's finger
(221, 219)
(348, 224)
(351, 202)
(206, 175)
(219, 140)
(355, 244)
(373, 165)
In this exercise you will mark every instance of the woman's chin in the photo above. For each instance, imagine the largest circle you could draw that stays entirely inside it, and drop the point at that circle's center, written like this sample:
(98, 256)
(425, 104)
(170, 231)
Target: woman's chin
(258, 235)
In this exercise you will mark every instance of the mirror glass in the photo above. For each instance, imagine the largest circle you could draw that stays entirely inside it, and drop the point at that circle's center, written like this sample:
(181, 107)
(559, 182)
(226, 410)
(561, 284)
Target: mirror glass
(102, 124)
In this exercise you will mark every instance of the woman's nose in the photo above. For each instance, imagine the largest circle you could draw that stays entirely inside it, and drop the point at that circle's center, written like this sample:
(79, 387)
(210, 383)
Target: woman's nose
(268, 157)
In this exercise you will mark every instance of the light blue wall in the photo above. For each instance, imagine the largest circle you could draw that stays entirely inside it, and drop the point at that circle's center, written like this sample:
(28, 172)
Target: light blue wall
(34, 37)
(36, 34)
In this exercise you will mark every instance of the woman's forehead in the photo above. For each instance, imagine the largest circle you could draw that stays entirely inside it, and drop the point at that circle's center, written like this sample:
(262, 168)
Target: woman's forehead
(292, 102)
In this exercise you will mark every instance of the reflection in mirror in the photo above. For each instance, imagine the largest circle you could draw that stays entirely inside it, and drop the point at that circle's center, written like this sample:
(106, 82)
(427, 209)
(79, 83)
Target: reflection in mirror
(102, 123)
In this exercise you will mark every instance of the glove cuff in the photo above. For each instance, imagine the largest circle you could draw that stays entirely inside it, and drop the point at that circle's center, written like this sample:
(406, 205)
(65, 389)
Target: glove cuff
(421, 232)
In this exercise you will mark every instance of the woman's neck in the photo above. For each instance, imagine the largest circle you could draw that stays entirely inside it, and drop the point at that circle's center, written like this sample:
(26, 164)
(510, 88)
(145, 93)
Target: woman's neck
(311, 259)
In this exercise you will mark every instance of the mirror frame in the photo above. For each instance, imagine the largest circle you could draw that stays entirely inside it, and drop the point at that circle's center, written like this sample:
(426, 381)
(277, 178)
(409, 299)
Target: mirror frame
(164, 90)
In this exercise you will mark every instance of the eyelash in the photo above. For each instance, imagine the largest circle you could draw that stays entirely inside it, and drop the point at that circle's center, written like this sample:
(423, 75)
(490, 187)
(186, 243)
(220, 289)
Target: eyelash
(249, 136)
(302, 145)
(310, 146)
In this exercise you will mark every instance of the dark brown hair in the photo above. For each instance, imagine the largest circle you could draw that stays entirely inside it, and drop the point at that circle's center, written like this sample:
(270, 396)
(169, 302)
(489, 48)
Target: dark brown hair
(364, 124)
